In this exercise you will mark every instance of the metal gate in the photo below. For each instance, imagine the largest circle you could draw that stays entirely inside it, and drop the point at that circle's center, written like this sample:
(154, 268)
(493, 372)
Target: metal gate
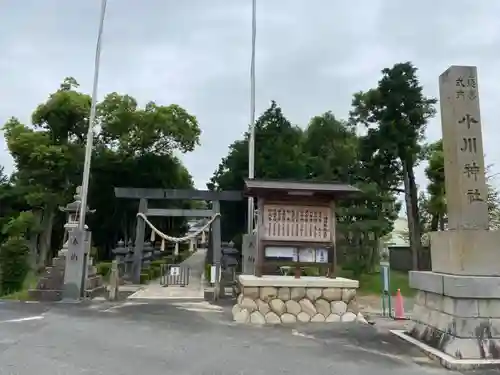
(174, 274)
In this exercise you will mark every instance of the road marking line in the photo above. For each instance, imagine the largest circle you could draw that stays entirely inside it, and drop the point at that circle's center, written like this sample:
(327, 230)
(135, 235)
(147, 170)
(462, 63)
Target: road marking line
(196, 309)
(30, 318)
(300, 334)
(126, 304)
(205, 305)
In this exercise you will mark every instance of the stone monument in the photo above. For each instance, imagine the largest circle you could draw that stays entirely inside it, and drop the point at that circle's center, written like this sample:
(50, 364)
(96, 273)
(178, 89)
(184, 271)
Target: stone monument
(50, 286)
(457, 306)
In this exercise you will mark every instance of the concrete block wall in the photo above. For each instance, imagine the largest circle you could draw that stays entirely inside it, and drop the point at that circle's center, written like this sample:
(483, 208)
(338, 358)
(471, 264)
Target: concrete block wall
(461, 327)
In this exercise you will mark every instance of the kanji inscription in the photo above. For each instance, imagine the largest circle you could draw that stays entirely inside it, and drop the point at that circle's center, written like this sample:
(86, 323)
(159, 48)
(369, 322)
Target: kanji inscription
(465, 182)
(297, 223)
(466, 88)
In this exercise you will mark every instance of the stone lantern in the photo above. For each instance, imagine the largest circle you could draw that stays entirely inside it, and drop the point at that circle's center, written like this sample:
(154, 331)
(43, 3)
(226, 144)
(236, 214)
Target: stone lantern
(72, 210)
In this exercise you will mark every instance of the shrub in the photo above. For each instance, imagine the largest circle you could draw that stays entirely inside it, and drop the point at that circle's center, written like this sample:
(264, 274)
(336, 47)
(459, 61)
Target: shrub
(14, 264)
(103, 268)
(155, 269)
(144, 277)
(208, 270)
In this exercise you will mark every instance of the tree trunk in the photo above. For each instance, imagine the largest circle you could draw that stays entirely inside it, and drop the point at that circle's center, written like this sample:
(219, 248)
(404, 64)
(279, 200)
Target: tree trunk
(417, 231)
(46, 235)
(434, 222)
(414, 232)
(441, 222)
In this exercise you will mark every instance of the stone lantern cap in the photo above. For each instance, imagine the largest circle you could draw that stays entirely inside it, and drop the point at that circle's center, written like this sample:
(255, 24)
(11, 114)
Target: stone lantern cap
(74, 206)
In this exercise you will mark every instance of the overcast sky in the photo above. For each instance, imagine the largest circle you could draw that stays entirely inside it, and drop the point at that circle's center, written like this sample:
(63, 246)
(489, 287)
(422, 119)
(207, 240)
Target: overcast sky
(311, 57)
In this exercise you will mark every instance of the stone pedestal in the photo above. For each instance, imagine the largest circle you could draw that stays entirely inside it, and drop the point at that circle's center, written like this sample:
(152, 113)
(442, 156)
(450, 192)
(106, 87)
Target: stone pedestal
(466, 252)
(50, 286)
(458, 315)
(285, 299)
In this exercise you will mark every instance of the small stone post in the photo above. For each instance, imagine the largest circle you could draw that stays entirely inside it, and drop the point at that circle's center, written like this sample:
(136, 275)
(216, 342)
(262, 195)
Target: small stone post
(114, 281)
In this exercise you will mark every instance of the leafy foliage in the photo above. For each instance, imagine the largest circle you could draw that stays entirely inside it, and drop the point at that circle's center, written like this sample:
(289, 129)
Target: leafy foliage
(434, 202)
(328, 150)
(396, 113)
(14, 254)
(133, 147)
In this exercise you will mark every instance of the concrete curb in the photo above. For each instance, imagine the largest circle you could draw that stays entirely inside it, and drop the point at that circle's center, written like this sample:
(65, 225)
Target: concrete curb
(446, 360)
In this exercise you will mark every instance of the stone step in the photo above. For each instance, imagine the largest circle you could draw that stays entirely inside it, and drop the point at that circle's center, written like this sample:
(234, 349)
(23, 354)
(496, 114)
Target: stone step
(51, 272)
(95, 292)
(50, 295)
(50, 283)
(93, 282)
(91, 270)
(59, 262)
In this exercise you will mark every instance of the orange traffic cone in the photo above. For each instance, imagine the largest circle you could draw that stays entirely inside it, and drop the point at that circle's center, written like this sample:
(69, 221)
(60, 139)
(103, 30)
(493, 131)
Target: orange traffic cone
(399, 309)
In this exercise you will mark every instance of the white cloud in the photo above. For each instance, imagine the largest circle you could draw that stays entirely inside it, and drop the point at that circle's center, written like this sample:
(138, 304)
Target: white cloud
(311, 57)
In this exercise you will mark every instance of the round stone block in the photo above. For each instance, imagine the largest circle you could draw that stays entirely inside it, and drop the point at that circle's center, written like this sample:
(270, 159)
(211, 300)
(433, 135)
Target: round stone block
(241, 316)
(322, 306)
(318, 318)
(297, 293)
(332, 318)
(303, 317)
(249, 304)
(307, 306)
(278, 306)
(332, 294)
(262, 306)
(338, 307)
(268, 293)
(272, 318)
(257, 318)
(284, 293)
(288, 318)
(293, 307)
(313, 293)
(348, 317)
(348, 295)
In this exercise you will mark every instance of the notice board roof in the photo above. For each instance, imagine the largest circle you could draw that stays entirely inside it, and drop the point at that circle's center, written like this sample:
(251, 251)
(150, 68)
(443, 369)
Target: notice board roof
(254, 187)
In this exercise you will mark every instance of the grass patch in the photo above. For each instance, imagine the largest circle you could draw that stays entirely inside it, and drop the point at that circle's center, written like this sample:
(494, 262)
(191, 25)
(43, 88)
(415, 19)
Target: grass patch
(371, 284)
(22, 295)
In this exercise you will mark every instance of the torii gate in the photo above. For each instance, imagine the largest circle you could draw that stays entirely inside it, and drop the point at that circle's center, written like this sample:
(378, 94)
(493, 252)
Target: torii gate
(176, 194)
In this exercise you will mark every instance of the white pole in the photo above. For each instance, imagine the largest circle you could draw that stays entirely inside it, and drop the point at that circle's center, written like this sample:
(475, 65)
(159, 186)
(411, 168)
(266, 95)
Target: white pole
(251, 141)
(90, 133)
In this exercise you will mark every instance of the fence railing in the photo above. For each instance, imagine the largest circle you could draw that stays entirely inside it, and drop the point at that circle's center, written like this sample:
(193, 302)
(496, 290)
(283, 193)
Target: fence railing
(174, 274)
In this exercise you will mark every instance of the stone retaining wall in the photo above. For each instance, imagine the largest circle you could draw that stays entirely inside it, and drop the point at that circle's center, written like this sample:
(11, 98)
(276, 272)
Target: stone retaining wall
(460, 327)
(276, 305)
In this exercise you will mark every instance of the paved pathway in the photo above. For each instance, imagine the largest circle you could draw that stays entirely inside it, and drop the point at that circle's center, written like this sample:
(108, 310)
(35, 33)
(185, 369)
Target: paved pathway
(172, 337)
(372, 305)
(195, 289)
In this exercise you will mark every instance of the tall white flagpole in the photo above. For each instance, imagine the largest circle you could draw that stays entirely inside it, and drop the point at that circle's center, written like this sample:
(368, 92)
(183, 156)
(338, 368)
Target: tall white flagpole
(251, 141)
(90, 133)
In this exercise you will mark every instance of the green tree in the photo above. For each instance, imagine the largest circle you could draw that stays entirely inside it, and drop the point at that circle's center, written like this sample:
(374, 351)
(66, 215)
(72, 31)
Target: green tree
(332, 149)
(397, 113)
(14, 253)
(278, 155)
(134, 147)
(328, 150)
(434, 202)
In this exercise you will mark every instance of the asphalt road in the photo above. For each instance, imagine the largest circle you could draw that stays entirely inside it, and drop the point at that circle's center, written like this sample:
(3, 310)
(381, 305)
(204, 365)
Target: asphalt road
(191, 339)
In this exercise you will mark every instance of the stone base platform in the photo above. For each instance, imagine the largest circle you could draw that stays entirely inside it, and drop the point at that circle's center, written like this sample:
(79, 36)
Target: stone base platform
(286, 299)
(457, 315)
(50, 285)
